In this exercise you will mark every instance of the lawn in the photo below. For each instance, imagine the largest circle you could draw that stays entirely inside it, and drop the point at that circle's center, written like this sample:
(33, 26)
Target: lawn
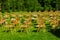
(27, 36)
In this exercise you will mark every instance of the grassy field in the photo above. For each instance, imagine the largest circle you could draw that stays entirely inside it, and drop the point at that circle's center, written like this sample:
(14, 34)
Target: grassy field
(16, 35)
(27, 36)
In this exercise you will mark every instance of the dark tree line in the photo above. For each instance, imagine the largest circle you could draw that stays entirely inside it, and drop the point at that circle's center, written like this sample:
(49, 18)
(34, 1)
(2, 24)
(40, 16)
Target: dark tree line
(28, 5)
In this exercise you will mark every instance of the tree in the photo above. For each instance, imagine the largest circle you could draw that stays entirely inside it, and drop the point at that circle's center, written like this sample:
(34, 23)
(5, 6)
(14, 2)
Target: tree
(28, 5)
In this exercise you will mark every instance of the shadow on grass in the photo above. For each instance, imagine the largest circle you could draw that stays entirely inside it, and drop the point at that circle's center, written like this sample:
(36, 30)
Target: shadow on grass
(55, 32)
(20, 30)
(24, 30)
(6, 31)
(34, 31)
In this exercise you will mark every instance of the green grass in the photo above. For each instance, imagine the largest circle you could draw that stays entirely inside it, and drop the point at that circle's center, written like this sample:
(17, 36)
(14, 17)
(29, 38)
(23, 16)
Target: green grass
(27, 36)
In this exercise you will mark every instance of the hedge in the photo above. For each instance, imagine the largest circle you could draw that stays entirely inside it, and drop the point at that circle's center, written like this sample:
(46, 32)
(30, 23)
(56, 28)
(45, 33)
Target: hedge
(28, 5)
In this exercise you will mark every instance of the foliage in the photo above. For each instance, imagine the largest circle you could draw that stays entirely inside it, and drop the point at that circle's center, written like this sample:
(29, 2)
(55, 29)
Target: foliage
(28, 5)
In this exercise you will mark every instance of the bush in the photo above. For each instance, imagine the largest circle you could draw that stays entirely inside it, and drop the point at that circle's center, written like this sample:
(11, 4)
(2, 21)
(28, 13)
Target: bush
(28, 5)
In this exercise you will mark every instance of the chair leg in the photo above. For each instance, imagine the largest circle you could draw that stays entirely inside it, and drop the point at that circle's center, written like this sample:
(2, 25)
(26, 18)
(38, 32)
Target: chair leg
(44, 29)
(26, 30)
(38, 29)
(21, 30)
(11, 29)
